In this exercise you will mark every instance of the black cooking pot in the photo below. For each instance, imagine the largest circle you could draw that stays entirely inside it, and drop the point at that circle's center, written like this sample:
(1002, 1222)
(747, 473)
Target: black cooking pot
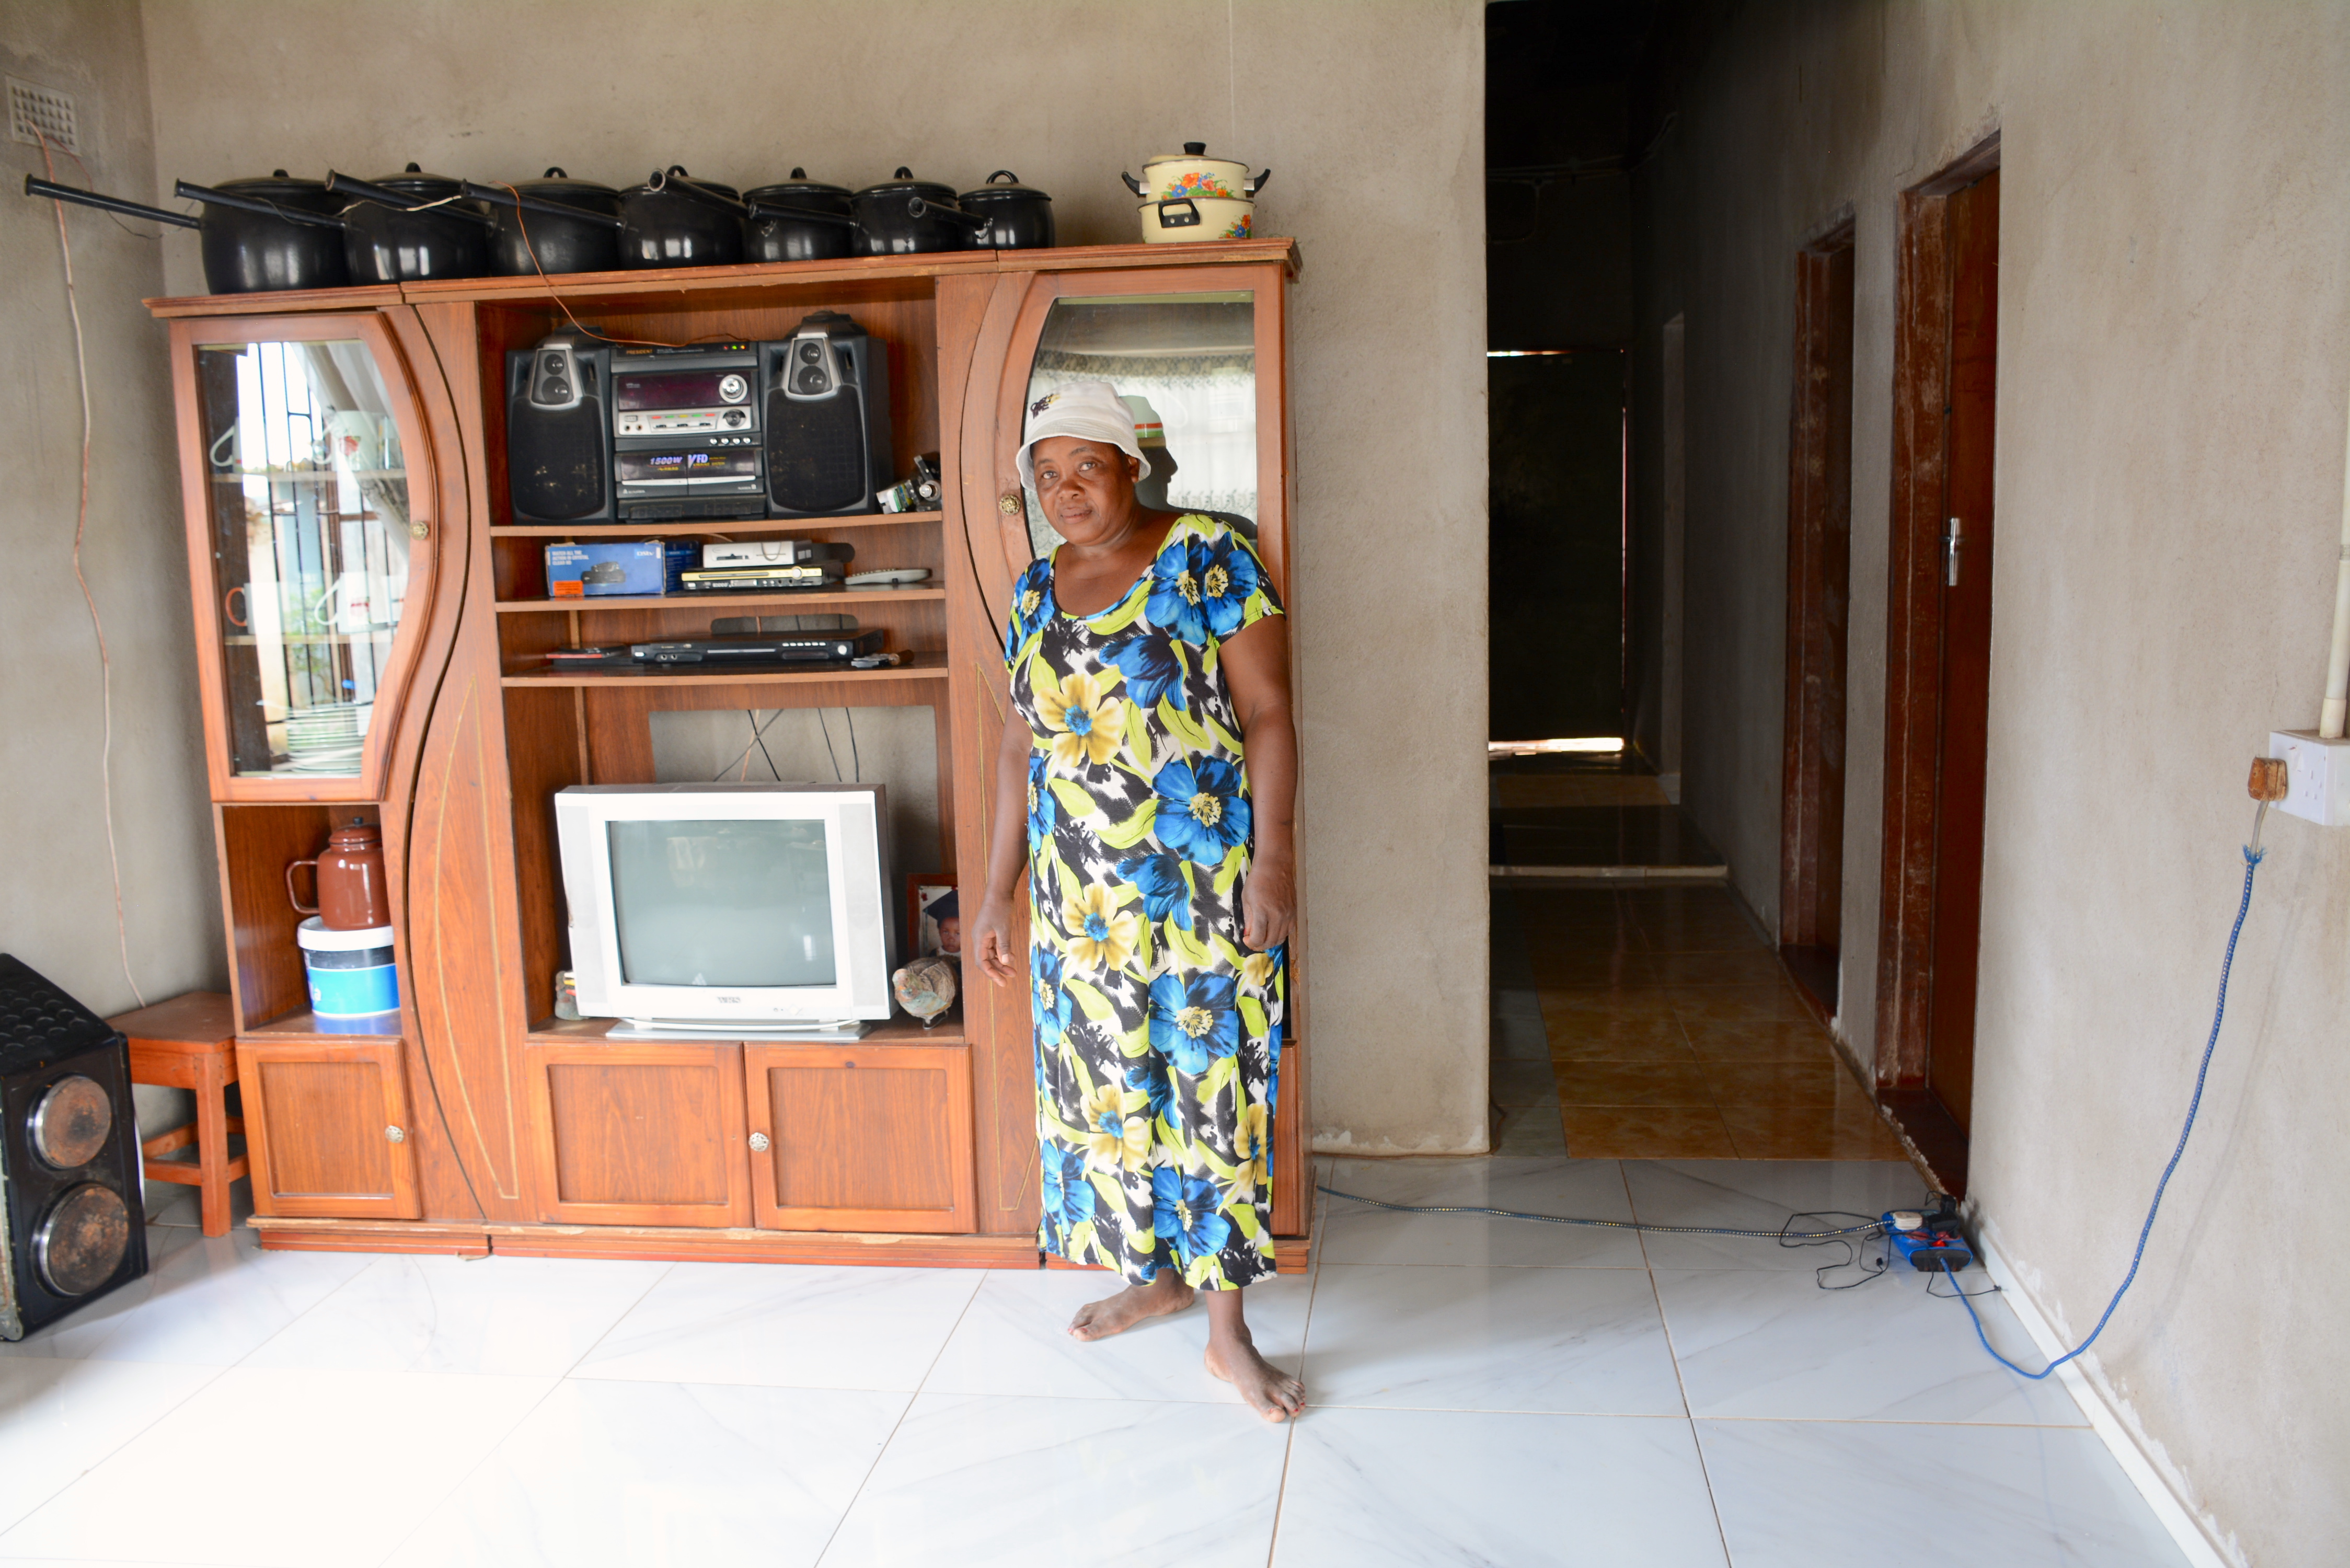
(1019, 217)
(799, 219)
(673, 220)
(906, 216)
(257, 235)
(412, 226)
(552, 225)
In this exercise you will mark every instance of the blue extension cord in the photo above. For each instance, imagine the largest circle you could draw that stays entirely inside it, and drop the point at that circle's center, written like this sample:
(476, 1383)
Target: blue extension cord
(2252, 858)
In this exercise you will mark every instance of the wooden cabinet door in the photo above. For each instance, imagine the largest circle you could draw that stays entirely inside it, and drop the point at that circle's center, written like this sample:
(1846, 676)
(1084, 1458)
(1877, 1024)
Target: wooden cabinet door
(638, 1133)
(861, 1137)
(327, 1130)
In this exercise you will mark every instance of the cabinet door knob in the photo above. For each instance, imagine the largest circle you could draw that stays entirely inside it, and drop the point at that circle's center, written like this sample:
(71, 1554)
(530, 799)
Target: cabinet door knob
(420, 530)
(1008, 503)
(759, 1144)
(393, 1135)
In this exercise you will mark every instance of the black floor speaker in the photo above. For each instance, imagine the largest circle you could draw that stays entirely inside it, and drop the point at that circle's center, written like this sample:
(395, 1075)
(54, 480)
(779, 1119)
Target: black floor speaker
(826, 390)
(559, 433)
(69, 1155)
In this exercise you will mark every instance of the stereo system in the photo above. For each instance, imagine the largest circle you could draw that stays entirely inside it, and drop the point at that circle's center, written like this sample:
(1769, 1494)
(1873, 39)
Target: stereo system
(795, 428)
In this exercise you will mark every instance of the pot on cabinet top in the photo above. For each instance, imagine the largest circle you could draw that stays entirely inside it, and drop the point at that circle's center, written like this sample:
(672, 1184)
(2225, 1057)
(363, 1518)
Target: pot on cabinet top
(1192, 173)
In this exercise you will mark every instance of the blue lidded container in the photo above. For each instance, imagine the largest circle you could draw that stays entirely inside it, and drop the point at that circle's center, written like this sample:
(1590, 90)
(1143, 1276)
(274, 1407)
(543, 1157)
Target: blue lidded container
(354, 983)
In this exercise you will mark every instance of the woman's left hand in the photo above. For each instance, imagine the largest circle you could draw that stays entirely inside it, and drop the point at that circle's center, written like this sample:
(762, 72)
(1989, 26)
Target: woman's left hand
(1268, 902)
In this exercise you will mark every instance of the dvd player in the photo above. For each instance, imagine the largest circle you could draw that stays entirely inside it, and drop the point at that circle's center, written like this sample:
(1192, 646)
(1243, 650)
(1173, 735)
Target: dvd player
(759, 650)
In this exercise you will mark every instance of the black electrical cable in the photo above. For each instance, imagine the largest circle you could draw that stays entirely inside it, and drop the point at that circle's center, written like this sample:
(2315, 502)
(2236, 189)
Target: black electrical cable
(827, 745)
(855, 763)
(1783, 1235)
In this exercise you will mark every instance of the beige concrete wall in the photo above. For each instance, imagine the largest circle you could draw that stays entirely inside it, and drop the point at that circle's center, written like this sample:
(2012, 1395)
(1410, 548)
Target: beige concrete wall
(57, 899)
(2174, 370)
(1387, 332)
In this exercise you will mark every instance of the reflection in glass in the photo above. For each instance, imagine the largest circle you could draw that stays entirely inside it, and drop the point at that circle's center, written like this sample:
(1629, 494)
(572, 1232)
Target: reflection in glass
(1188, 360)
(308, 492)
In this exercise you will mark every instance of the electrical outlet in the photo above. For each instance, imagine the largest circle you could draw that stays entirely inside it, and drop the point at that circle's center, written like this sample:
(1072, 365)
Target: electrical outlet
(34, 112)
(2317, 776)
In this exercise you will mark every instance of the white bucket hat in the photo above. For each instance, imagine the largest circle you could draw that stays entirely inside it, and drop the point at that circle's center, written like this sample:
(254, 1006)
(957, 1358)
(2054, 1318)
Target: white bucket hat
(1088, 408)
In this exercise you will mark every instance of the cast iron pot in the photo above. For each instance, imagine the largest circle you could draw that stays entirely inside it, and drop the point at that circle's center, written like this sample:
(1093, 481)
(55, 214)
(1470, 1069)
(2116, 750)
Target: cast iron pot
(412, 226)
(906, 216)
(672, 220)
(799, 219)
(1019, 217)
(257, 236)
(552, 225)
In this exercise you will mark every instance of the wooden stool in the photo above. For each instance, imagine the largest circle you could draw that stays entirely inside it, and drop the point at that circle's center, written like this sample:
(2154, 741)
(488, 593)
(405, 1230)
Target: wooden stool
(189, 1042)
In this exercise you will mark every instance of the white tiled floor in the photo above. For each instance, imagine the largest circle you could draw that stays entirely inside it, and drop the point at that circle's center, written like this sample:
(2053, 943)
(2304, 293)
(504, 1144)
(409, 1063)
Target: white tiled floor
(1482, 1392)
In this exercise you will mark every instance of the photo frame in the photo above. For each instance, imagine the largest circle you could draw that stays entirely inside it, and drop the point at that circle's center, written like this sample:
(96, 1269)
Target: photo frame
(924, 936)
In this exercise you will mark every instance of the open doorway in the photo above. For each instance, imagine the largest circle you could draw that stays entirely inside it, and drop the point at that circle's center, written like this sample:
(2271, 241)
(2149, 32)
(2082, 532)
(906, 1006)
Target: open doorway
(1938, 655)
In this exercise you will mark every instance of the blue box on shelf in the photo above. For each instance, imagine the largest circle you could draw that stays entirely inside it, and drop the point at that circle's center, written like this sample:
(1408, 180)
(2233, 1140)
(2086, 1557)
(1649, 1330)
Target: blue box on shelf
(639, 567)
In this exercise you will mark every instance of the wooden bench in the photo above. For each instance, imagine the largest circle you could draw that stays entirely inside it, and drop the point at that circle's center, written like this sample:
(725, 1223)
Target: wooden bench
(189, 1042)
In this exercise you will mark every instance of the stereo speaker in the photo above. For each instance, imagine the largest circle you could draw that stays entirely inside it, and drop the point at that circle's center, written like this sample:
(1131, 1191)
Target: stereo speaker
(69, 1155)
(559, 433)
(828, 406)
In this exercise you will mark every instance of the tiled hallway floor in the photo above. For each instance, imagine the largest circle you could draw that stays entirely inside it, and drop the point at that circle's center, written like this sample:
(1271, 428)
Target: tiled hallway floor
(1655, 1022)
(1480, 1392)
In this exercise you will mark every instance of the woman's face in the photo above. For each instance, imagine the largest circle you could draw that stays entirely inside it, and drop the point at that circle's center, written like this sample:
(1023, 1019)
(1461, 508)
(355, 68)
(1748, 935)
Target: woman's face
(1087, 487)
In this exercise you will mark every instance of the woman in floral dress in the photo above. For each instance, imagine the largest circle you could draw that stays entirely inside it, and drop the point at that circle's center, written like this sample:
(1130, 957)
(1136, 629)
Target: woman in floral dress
(1150, 772)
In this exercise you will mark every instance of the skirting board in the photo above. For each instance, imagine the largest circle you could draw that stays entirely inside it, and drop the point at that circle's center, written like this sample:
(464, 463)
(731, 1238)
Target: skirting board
(1616, 873)
(2169, 1507)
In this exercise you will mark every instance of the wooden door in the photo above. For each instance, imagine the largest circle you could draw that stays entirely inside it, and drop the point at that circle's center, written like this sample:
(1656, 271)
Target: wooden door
(327, 1129)
(859, 1137)
(638, 1133)
(1819, 594)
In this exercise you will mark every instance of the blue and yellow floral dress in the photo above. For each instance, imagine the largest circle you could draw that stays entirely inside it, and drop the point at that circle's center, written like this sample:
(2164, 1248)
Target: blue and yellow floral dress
(1158, 1032)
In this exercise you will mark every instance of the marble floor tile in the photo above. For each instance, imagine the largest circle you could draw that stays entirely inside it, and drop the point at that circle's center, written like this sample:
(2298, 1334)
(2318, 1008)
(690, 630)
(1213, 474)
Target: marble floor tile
(1584, 1188)
(57, 1418)
(1582, 1038)
(1589, 1083)
(1821, 1081)
(352, 1461)
(1567, 1011)
(1733, 967)
(205, 1302)
(1015, 1339)
(1777, 1003)
(1529, 1130)
(1646, 1132)
(1403, 1488)
(1824, 1494)
(662, 1475)
(1519, 1038)
(168, 1203)
(1524, 1083)
(525, 1316)
(982, 1479)
(1774, 1344)
(1586, 1341)
(1851, 1131)
(1757, 1195)
(788, 1325)
(1759, 1039)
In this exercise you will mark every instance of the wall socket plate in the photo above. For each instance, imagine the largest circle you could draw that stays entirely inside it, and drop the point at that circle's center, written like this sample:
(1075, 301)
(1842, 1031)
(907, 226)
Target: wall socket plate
(35, 111)
(2317, 776)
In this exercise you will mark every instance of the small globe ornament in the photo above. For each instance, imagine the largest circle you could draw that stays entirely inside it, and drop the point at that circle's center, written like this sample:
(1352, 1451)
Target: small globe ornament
(926, 988)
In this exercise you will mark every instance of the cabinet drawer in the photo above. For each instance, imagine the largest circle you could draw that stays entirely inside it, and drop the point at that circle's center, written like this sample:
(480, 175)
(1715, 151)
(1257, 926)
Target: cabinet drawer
(861, 1137)
(326, 1128)
(639, 1134)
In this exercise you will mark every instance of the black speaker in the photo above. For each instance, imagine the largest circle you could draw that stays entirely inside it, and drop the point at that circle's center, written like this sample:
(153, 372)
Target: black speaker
(69, 1155)
(828, 403)
(559, 433)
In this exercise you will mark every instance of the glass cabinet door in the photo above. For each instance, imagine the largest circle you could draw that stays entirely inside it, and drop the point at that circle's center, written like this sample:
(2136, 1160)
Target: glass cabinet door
(1186, 365)
(307, 481)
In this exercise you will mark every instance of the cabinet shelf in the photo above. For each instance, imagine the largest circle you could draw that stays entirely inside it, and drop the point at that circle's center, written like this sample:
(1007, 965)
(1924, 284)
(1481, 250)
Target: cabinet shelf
(789, 526)
(535, 672)
(717, 601)
(304, 1025)
(898, 1030)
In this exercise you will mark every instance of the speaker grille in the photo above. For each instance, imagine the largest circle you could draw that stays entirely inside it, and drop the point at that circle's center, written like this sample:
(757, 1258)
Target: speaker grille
(815, 452)
(555, 459)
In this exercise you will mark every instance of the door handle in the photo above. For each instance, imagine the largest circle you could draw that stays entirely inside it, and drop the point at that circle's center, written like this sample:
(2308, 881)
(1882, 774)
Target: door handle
(1952, 538)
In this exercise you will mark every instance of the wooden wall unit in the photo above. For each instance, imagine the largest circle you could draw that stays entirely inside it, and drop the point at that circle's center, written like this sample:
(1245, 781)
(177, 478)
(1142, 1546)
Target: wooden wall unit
(519, 1133)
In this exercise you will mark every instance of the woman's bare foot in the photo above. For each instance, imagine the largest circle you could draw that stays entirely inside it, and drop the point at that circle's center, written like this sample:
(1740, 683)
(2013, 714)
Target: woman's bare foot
(1165, 1293)
(1270, 1392)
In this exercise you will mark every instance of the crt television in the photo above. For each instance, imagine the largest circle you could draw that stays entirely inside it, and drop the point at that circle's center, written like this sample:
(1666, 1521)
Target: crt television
(730, 910)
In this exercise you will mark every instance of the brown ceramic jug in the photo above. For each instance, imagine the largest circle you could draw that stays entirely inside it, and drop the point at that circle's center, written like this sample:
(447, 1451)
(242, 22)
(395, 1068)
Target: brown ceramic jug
(351, 892)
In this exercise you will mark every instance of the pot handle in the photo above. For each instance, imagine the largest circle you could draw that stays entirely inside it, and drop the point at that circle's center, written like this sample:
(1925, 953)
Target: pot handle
(498, 195)
(675, 178)
(343, 184)
(1170, 219)
(1132, 184)
(75, 194)
(293, 898)
(1004, 174)
(209, 197)
(769, 209)
(1263, 178)
(917, 208)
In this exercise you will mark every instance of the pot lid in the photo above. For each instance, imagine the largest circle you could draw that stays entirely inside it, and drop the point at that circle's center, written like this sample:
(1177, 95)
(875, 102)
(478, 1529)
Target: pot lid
(414, 182)
(554, 185)
(799, 185)
(277, 182)
(1010, 188)
(1193, 152)
(903, 183)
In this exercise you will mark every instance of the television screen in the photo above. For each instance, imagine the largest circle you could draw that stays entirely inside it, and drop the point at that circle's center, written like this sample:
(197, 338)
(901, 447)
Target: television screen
(726, 904)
